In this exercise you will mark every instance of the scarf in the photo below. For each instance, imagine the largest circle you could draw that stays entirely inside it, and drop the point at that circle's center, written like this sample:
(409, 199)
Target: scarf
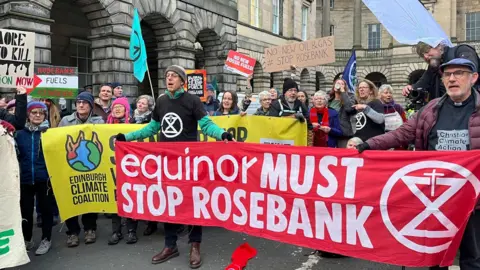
(140, 117)
(320, 138)
(30, 127)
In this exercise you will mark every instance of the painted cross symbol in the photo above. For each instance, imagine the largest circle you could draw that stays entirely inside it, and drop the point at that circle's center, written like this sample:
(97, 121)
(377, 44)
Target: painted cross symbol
(432, 208)
(433, 178)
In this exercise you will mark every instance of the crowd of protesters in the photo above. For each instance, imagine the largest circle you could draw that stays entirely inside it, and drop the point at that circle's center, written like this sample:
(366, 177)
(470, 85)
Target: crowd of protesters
(362, 118)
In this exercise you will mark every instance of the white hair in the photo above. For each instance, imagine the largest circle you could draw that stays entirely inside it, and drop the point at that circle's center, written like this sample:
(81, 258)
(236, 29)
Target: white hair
(321, 94)
(355, 140)
(385, 87)
(264, 94)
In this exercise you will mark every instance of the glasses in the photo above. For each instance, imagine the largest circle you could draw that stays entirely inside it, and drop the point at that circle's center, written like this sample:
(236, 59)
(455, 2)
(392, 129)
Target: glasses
(457, 74)
(80, 102)
(39, 113)
(173, 75)
(364, 87)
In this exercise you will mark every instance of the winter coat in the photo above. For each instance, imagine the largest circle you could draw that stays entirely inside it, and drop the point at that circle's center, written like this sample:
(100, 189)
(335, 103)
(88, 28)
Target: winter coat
(261, 112)
(346, 114)
(280, 108)
(417, 128)
(233, 112)
(30, 156)
(71, 120)
(335, 129)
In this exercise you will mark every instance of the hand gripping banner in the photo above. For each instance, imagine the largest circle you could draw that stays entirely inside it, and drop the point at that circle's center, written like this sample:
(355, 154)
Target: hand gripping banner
(396, 207)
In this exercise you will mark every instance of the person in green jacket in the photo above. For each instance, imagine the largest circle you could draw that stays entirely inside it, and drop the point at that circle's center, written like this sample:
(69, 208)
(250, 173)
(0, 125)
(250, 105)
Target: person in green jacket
(177, 115)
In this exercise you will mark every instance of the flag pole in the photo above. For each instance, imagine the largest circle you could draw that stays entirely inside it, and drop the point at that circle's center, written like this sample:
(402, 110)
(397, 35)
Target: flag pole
(150, 80)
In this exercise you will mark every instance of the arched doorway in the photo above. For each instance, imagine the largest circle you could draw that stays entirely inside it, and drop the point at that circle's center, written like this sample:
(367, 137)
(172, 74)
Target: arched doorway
(306, 82)
(415, 76)
(338, 76)
(320, 83)
(158, 33)
(377, 78)
(209, 56)
(261, 81)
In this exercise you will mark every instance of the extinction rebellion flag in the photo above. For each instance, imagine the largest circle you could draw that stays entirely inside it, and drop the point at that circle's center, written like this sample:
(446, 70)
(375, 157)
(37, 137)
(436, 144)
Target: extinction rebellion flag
(350, 72)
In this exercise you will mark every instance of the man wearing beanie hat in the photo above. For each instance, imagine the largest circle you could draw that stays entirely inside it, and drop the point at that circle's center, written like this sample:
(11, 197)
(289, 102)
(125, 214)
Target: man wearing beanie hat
(177, 115)
(84, 104)
(288, 105)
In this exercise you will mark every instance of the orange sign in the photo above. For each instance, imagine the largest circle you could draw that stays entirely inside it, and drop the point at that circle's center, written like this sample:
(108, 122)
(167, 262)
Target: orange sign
(197, 83)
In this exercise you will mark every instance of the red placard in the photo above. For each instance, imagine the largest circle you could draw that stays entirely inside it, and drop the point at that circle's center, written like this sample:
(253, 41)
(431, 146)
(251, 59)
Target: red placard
(240, 64)
(397, 207)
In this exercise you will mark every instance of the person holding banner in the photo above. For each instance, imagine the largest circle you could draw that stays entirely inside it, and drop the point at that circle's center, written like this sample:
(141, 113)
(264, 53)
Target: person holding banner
(177, 115)
(265, 103)
(34, 178)
(326, 126)
(229, 104)
(84, 115)
(451, 123)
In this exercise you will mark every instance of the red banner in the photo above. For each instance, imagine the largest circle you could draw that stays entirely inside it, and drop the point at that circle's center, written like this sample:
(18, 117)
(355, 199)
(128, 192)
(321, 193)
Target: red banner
(240, 64)
(396, 207)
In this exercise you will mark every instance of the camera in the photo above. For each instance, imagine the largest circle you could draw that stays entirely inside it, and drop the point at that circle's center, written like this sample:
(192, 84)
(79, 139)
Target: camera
(418, 97)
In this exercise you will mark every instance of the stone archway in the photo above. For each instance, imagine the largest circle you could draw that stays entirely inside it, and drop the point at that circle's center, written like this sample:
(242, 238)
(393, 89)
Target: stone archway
(320, 82)
(306, 82)
(158, 34)
(261, 81)
(338, 76)
(377, 78)
(415, 76)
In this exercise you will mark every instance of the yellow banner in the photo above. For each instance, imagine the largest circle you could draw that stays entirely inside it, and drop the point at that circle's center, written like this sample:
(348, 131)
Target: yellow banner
(81, 159)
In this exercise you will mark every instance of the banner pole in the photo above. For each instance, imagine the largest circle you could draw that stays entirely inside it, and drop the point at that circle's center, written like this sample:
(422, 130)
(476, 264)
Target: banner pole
(150, 80)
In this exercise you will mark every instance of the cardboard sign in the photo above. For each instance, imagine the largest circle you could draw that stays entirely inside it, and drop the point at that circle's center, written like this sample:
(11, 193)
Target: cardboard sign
(240, 64)
(301, 54)
(197, 83)
(56, 82)
(17, 58)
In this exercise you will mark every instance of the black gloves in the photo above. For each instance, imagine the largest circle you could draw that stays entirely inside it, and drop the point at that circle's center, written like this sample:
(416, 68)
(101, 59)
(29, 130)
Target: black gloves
(227, 136)
(121, 137)
(300, 117)
(362, 147)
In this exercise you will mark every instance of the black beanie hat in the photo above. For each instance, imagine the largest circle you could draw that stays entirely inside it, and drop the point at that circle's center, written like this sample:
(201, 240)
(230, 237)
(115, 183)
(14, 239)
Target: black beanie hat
(289, 84)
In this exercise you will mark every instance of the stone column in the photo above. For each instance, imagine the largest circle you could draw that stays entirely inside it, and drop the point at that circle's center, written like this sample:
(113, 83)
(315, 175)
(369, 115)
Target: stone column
(453, 21)
(326, 18)
(357, 25)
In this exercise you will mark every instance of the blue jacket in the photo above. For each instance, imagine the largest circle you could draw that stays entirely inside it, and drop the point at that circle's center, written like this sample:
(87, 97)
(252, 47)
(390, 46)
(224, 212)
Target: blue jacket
(30, 157)
(335, 129)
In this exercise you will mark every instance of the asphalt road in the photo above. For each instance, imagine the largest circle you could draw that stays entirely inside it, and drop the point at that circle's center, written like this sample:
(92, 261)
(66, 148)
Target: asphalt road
(217, 247)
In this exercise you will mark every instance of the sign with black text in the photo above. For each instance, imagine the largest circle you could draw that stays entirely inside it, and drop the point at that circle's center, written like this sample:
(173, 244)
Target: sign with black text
(196, 83)
(17, 50)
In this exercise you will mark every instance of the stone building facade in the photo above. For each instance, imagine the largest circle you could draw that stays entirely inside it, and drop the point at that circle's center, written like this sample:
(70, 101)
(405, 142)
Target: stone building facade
(95, 35)
(379, 57)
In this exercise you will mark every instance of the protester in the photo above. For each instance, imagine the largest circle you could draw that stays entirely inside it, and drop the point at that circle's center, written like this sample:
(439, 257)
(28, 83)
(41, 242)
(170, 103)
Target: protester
(84, 115)
(105, 97)
(326, 126)
(394, 113)
(369, 118)
(53, 112)
(265, 103)
(229, 105)
(16, 121)
(11, 107)
(341, 100)
(273, 93)
(454, 115)
(212, 103)
(117, 90)
(120, 114)
(353, 143)
(431, 80)
(303, 97)
(189, 110)
(143, 112)
(34, 178)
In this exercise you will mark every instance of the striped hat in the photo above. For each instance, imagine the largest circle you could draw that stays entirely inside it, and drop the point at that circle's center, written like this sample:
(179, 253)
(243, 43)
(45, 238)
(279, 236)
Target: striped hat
(36, 105)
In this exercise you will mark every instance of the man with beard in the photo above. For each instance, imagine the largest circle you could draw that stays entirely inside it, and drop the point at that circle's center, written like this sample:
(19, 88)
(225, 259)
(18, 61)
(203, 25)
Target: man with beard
(431, 80)
(177, 115)
(289, 106)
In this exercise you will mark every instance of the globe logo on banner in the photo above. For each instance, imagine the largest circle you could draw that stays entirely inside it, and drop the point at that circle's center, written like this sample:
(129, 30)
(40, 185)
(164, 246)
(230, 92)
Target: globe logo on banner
(84, 155)
(353, 76)
(430, 187)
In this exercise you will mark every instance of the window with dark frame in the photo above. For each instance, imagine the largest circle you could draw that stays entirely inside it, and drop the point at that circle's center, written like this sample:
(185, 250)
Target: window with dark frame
(374, 36)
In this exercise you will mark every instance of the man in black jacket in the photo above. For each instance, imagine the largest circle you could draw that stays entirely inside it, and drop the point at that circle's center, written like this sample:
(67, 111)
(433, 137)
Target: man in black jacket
(15, 121)
(431, 79)
(288, 105)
